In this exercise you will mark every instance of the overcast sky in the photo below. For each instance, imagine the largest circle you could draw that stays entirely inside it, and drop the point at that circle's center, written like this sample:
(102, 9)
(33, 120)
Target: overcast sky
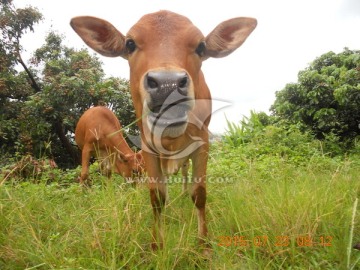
(290, 34)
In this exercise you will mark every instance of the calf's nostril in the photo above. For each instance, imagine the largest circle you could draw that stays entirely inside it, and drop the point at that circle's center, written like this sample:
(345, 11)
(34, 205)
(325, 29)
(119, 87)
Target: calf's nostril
(183, 82)
(152, 83)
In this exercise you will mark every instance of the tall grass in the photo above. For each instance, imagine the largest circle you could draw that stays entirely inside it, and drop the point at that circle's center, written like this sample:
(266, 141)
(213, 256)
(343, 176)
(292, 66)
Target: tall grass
(265, 210)
(274, 208)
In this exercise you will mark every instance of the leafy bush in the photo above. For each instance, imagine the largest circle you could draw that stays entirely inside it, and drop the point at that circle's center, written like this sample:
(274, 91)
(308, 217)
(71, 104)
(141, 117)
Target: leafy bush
(326, 97)
(259, 139)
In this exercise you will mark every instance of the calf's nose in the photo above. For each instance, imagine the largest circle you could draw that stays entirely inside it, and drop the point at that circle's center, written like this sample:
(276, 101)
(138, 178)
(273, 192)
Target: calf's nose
(161, 84)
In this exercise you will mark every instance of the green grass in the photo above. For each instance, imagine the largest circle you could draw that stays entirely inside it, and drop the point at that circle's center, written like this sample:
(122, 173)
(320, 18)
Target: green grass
(260, 213)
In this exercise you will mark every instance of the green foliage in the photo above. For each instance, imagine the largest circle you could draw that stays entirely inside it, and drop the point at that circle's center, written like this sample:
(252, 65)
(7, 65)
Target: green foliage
(326, 97)
(14, 23)
(259, 137)
(14, 87)
(248, 128)
(273, 206)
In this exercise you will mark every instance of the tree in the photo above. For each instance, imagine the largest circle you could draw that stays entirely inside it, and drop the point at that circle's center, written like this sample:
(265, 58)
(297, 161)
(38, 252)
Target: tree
(43, 107)
(326, 97)
(15, 86)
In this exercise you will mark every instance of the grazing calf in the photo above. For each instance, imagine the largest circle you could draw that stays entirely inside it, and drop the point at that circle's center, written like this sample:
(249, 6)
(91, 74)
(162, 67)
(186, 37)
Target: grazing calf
(98, 133)
(165, 52)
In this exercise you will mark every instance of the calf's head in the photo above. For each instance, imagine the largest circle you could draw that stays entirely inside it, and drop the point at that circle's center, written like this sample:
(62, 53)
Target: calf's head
(130, 166)
(165, 52)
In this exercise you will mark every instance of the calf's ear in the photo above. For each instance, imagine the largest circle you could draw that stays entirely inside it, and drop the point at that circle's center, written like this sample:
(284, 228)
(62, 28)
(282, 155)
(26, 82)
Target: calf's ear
(100, 35)
(123, 157)
(228, 36)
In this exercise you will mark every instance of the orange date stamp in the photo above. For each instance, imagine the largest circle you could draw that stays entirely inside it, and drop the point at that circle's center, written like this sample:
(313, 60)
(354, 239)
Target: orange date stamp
(277, 241)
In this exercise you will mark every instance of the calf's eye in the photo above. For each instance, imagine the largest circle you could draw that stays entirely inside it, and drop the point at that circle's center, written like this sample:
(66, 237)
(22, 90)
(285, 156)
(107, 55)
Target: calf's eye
(200, 50)
(130, 46)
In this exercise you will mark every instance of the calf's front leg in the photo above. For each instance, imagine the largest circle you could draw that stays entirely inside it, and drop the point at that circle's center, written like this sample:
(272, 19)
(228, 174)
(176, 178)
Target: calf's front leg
(85, 159)
(198, 193)
(158, 196)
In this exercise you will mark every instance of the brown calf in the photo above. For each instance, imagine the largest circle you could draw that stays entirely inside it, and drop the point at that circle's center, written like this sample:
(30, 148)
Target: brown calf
(98, 133)
(165, 52)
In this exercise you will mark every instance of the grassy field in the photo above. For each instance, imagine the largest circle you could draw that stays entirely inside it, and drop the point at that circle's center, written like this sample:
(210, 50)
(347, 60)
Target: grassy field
(263, 213)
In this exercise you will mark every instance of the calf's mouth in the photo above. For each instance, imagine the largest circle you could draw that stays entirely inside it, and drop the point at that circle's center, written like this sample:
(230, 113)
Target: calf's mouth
(169, 120)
